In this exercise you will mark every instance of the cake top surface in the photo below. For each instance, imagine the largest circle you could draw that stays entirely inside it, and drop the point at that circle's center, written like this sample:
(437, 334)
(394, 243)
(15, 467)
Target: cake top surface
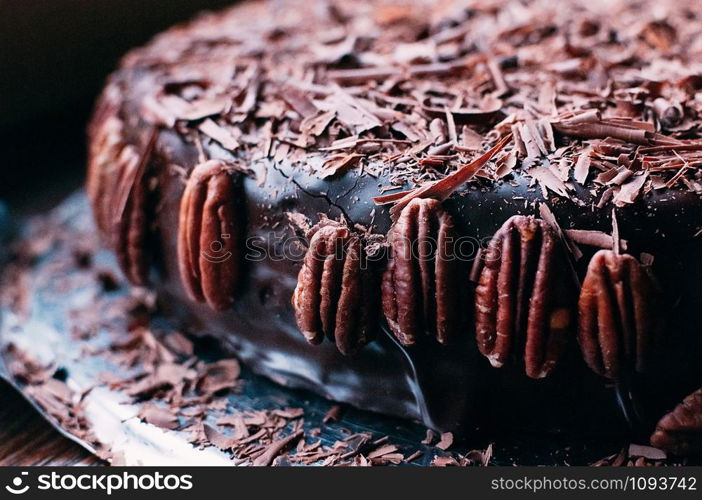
(596, 102)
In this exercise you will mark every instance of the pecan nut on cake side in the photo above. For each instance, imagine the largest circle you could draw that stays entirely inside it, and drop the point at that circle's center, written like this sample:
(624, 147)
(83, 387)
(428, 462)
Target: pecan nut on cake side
(472, 217)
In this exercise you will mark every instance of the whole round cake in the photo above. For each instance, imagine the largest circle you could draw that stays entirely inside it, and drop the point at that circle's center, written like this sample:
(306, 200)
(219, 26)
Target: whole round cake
(484, 216)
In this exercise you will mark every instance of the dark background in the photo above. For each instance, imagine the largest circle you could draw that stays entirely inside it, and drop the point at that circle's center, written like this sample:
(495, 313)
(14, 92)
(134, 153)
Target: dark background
(54, 58)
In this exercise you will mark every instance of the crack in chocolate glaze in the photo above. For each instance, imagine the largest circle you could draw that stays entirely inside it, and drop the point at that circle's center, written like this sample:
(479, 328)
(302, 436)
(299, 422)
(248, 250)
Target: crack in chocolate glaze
(323, 196)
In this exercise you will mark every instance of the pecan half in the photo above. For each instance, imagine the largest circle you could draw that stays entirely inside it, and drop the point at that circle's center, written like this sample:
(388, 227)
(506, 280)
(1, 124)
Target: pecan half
(525, 299)
(107, 143)
(210, 235)
(620, 323)
(118, 188)
(335, 294)
(129, 200)
(422, 284)
(680, 431)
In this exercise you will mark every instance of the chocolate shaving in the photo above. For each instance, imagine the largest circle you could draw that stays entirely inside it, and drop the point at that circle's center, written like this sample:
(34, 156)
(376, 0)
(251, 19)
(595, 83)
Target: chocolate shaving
(218, 376)
(582, 167)
(160, 416)
(362, 75)
(547, 215)
(218, 439)
(547, 179)
(629, 191)
(219, 134)
(466, 116)
(317, 124)
(352, 112)
(446, 441)
(591, 238)
(299, 101)
(338, 163)
(587, 128)
(276, 448)
(440, 190)
(333, 415)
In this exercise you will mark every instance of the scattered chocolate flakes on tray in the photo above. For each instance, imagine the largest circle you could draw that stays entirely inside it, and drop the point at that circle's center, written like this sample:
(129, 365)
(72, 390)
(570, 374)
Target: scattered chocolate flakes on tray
(164, 387)
(634, 455)
(333, 415)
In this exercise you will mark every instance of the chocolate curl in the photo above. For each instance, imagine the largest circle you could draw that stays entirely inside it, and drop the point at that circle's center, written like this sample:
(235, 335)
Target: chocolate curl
(442, 189)
(590, 125)
(603, 130)
(361, 75)
(680, 146)
(669, 114)
(590, 116)
(616, 240)
(466, 116)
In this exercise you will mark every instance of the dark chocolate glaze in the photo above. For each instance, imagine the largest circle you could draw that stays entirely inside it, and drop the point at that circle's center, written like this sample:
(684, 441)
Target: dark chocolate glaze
(447, 388)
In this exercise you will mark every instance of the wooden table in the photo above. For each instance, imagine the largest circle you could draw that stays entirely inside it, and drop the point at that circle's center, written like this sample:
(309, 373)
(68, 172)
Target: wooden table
(27, 439)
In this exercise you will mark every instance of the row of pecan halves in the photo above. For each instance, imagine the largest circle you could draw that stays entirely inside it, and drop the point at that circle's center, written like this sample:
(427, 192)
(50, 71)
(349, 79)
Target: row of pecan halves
(337, 293)
(527, 301)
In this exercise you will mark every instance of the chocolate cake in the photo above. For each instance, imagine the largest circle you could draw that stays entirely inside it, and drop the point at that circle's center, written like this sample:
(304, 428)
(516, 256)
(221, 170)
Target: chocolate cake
(483, 216)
